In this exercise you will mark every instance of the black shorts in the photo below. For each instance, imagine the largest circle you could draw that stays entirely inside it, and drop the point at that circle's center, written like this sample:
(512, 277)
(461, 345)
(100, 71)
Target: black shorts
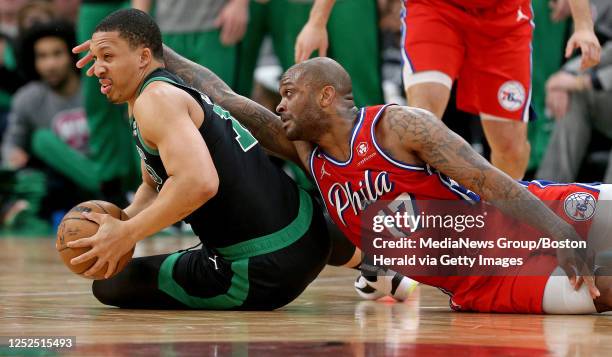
(264, 273)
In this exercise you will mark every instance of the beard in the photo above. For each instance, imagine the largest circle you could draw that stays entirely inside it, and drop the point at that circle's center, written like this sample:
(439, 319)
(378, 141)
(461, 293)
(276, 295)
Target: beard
(58, 85)
(310, 126)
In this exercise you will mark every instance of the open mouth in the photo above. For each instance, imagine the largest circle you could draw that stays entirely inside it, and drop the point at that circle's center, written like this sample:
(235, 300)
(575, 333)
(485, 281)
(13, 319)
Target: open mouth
(105, 86)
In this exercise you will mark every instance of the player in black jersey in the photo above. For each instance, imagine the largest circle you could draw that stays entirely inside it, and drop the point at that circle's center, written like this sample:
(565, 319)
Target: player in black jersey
(344, 253)
(264, 240)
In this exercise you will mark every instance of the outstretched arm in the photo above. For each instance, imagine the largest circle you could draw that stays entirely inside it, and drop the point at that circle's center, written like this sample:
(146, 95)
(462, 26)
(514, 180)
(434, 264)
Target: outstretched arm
(262, 123)
(421, 133)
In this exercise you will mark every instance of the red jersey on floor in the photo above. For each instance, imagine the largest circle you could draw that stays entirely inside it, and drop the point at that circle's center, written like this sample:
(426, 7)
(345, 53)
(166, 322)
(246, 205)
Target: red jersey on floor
(370, 175)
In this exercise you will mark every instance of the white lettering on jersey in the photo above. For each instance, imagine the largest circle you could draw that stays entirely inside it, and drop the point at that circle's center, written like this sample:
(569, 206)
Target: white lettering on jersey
(341, 196)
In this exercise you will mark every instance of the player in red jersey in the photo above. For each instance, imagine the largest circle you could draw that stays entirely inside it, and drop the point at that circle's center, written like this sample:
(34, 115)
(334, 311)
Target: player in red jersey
(317, 108)
(487, 45)
(385, 152)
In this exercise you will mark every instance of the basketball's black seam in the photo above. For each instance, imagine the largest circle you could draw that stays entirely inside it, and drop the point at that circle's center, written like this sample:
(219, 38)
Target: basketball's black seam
(79, 219)
(97, 204)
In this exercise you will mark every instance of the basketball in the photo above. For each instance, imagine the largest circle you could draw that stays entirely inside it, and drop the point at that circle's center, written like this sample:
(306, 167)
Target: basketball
(74, 226)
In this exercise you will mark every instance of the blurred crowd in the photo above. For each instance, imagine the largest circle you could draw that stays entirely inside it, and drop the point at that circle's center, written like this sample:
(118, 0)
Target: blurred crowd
(63, 143)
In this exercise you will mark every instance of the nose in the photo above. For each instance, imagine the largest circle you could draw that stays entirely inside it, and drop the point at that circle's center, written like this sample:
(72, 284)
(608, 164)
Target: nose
(281, 108)
(98, 70)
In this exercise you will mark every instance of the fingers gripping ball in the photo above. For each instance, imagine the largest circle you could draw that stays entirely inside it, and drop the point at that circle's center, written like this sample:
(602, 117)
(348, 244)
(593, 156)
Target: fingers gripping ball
(74, 226)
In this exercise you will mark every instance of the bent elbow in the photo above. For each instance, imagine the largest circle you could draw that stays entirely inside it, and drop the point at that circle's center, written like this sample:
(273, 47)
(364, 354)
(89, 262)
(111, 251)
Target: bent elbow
(207, 189)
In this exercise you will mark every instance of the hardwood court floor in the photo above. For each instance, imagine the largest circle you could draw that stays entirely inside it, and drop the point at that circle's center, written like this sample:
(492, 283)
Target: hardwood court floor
(40, 297)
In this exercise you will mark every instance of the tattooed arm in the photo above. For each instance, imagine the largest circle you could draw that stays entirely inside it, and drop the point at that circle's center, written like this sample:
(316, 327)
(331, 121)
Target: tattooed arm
(423, 135)
(262, 123)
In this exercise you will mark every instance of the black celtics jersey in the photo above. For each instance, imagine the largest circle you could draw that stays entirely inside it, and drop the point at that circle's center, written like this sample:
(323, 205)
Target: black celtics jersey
(254, 199)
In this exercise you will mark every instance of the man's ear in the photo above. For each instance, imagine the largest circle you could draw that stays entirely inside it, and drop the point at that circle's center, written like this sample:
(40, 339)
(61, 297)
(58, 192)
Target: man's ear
(328, 95)
(146, 56)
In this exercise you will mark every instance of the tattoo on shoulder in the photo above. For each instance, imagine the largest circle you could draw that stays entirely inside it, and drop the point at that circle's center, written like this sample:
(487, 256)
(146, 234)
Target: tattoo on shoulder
(262, 123)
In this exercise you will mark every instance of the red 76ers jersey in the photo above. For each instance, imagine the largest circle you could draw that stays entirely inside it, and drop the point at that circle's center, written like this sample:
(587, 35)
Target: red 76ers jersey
(370, 175)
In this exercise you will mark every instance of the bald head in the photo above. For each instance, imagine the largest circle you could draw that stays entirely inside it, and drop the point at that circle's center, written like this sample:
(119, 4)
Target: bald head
(320, 72)
(315, 94)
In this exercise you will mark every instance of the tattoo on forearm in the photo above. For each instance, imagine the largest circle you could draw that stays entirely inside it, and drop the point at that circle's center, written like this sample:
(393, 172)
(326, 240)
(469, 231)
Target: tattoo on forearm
(262, 123)
(450, 154)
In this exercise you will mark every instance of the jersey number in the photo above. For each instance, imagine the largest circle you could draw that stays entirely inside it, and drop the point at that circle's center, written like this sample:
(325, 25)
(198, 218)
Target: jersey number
(245, 139)
(403, 203)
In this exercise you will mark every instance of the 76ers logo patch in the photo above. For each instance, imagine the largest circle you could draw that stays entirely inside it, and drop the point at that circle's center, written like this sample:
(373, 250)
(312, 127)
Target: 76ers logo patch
(362, 148)
(580, 206)
(511, 96)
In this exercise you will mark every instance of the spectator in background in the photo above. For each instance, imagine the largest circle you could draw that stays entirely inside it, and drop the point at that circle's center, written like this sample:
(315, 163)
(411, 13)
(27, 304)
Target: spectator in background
(47, 127)
(15, 17)
(204, 31)
(11, 80)
(353, 40)
(580, 101)
(34, 12)
(549, 39)
(8, 16)
(67, 9)
(110, 140)
(390, 34)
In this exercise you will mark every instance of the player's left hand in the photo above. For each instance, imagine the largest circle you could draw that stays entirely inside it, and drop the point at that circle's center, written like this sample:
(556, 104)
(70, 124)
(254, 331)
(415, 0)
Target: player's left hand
(233, 20)
(84, 47)
(589, 46)
(109, 244)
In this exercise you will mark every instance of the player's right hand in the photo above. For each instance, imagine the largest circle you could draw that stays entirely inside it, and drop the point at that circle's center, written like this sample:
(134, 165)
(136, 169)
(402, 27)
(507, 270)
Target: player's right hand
(578, 265)
(312, 37)
(84, 47)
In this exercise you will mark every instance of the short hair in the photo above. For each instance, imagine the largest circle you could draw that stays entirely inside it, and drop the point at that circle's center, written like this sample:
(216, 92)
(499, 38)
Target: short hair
(135, 26)
(56, 28)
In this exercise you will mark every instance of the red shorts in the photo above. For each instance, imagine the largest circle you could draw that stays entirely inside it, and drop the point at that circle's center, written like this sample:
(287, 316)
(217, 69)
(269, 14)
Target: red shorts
(487, 49)
(523, 291)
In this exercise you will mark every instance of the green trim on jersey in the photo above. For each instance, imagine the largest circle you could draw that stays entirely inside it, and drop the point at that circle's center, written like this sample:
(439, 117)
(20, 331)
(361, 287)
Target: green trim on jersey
(274, 241)
(245, 139)
(153, 79)
(147, 148)
(235, 296)
(239, 255)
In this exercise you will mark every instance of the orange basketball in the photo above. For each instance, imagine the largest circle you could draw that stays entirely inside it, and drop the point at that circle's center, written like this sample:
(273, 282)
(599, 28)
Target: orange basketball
(74, 226)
